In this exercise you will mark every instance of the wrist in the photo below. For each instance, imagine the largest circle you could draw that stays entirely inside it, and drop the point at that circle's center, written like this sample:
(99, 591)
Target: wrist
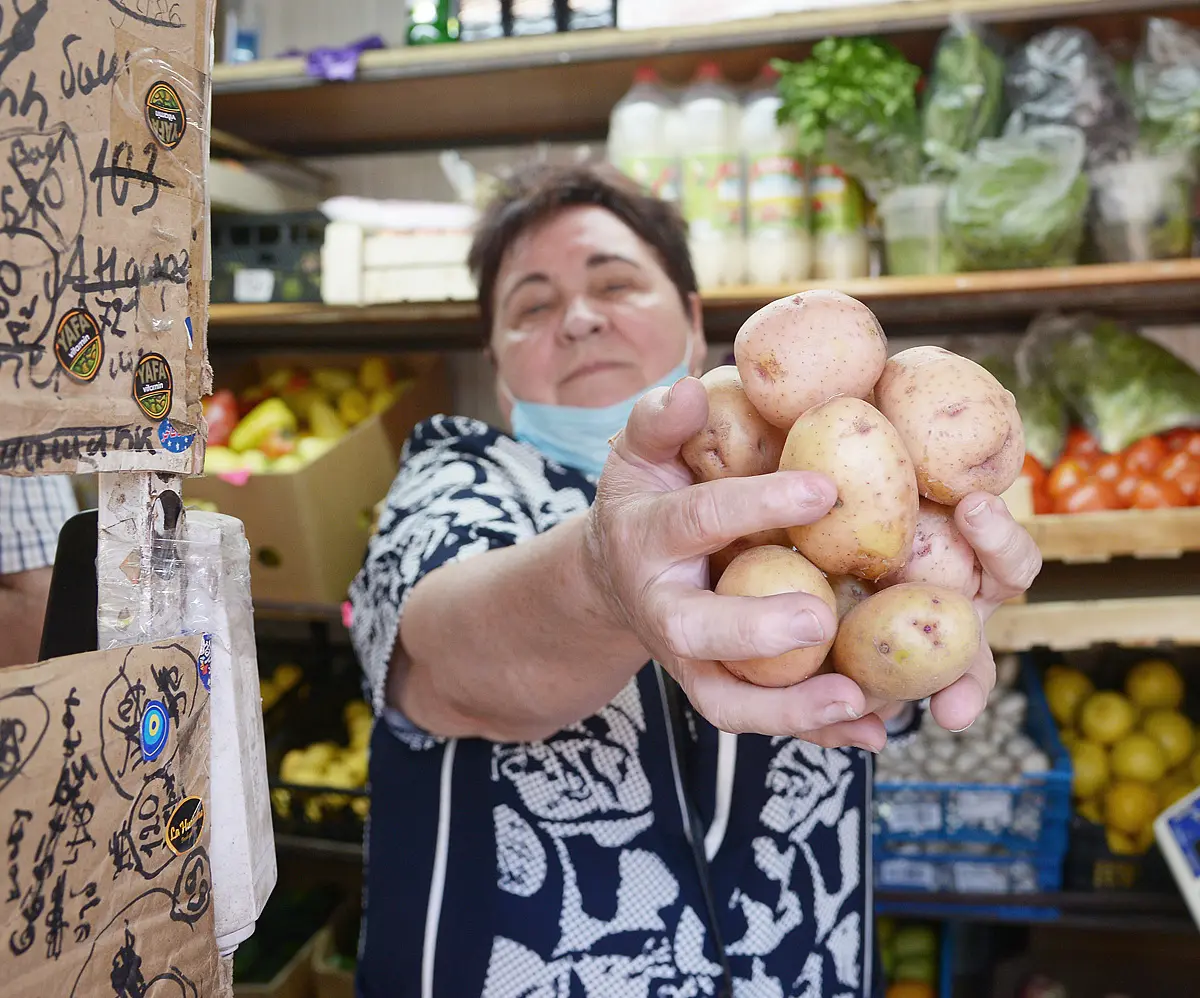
(600, 601)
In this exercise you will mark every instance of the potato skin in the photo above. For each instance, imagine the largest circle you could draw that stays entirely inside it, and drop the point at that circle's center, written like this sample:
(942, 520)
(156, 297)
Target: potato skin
(799, 351)
(960, 425)
(718, 561)
(849, 591)
(869, 531)
(767, 571)
(907, 642)
(940, 556)
(736, 441)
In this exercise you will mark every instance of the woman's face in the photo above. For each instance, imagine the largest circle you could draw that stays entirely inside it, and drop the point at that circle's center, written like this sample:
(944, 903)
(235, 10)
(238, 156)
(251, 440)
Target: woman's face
(585, 315)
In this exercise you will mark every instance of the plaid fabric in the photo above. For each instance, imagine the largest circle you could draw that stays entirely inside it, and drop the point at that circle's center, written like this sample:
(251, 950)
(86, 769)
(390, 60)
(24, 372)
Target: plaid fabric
(32, 511)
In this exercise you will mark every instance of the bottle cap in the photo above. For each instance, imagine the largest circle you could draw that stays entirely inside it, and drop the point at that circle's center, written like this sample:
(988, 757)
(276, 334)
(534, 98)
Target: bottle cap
(708, 70)
(645, 74)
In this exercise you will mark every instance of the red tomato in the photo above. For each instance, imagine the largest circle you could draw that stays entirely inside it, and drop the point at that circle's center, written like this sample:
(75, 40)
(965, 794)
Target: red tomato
(1126, 486)
(1066, 475)
(1176, 463)
(1189, 483)
(1081, 443)
(1146, 455)
(1042, 503)
(1033, 470)
(1108, 468)
(1178, 439)
(1157, 493)
(1088, 497)
(1193, 444)
(221, 412)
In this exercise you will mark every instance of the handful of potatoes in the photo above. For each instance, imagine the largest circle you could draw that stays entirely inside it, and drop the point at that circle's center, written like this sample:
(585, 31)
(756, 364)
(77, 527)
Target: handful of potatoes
(904, 439)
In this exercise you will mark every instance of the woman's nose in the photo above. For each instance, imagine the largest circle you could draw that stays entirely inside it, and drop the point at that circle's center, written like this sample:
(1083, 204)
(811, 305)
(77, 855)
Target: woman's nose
(582, 320)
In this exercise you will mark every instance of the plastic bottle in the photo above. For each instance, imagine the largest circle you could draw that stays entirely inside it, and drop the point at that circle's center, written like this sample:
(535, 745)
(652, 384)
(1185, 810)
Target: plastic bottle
(841, 249)
(431, 22)
(533, 17)
(712, 189)
(641, 136)
(778, 241)
(585, 15)
(241, 30)
(480, 20)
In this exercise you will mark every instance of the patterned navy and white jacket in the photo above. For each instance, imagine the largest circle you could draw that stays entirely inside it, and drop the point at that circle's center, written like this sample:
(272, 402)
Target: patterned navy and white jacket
(625, 857)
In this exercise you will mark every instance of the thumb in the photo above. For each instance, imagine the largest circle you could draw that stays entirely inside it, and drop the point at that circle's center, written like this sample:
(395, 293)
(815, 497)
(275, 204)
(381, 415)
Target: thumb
(662, 422)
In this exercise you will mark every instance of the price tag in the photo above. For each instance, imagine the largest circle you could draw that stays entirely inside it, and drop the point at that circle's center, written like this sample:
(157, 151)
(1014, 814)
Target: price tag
(993, 808)
(979, 878)
(907, 873)
(914, 817)
(252, 284)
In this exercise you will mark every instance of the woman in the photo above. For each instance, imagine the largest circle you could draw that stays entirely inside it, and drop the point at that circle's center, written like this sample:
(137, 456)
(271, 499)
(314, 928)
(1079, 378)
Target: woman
(551, 814)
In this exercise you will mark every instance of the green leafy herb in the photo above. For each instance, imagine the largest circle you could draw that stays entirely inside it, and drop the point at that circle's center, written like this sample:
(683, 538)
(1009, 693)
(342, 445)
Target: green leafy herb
(964, 101)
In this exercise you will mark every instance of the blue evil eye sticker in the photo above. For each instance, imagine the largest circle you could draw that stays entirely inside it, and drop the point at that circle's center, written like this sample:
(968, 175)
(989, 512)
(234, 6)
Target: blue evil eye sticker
(187, 324)
(155, 726)
(204, 662)
(172, 440)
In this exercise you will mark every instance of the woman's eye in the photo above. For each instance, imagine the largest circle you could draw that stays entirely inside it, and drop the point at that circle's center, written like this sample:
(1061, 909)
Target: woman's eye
(534, 309)
(614, 286)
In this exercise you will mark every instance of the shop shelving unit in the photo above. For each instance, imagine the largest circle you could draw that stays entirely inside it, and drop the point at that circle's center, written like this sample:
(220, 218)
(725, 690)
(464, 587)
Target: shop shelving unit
(563, 88)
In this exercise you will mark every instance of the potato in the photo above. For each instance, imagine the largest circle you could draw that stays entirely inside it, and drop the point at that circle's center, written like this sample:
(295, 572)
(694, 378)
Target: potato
(849, 591)
(736, 441)
(907, 642)
(767, 571)
(718, 561)
(940, 556)
(801, 350)
(960, 425)
(869, 531)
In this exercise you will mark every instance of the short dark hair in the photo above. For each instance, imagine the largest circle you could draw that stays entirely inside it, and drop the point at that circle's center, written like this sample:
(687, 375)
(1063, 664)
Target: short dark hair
(538, 192)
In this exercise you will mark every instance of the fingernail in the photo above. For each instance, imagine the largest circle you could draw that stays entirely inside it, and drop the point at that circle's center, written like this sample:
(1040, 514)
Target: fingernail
(958, 731)
(671, 392)
(839, 711)
(807, 628)
(978, 515)
(867, 748)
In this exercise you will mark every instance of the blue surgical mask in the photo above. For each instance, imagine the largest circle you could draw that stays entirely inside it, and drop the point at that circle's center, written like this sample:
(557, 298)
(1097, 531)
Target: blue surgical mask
(578, 436)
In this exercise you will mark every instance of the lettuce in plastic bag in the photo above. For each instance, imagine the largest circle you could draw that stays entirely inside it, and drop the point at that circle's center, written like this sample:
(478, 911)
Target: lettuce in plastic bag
(1122, 386)
(1043, 410)
(964, 101)
(1166, 86)
(1020, 202)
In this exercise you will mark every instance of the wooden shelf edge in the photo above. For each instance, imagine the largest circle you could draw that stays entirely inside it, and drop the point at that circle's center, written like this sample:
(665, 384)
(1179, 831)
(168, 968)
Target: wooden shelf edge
(1070, 625)
(870, 290)
(1099, 537)
(463, 59)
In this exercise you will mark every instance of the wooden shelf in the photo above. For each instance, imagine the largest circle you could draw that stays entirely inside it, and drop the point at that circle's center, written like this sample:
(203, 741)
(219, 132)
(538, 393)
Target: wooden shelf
(1084, 538)
(1069, 625)
(1166, 291)
(564, 86)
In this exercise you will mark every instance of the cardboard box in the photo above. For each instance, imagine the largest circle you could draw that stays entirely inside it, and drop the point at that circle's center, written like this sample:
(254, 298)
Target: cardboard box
(330, 981)
(308, 530)
(295, 980)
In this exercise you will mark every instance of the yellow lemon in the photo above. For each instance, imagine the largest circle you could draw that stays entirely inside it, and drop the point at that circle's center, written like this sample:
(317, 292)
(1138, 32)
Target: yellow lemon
(1120, 843)
(1090, 810)
(1194, 769)
(1066, 690)
(1173, 732)
(1089, 765)
(1069, 737)
(1106, 717)
(1138, 757)
(1153, 683)
(1129, 806)
(1170, 791)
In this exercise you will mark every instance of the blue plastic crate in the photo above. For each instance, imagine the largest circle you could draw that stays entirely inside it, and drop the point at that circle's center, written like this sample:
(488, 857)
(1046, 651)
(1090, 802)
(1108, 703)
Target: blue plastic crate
(1001, 873)
(1027, 817)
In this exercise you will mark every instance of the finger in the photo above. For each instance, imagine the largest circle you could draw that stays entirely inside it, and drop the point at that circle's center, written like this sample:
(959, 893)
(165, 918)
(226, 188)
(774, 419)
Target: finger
(704, 518)
(698, 624)
(959, 705)
(739, 707)
(662, 421)
(868, 733)
(1009, 557)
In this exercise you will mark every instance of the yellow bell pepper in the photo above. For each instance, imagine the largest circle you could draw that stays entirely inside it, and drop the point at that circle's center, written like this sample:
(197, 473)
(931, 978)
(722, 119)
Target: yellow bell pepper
(374, 374)
(333, 380)
(324, 422)
(353, 406)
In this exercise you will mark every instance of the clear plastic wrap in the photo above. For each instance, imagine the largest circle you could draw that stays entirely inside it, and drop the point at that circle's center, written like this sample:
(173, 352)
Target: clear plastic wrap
(1142, 208)
(1121, 385)
(1064, 77)
(1020, 202)
(964, 101)
(1043, 410)
(1166, 87)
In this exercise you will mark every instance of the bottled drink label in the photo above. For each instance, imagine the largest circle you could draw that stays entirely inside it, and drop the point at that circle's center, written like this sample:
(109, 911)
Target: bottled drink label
(712, 192)
(657, 174)
(837, 201)
(533, 17)
(775, 195)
